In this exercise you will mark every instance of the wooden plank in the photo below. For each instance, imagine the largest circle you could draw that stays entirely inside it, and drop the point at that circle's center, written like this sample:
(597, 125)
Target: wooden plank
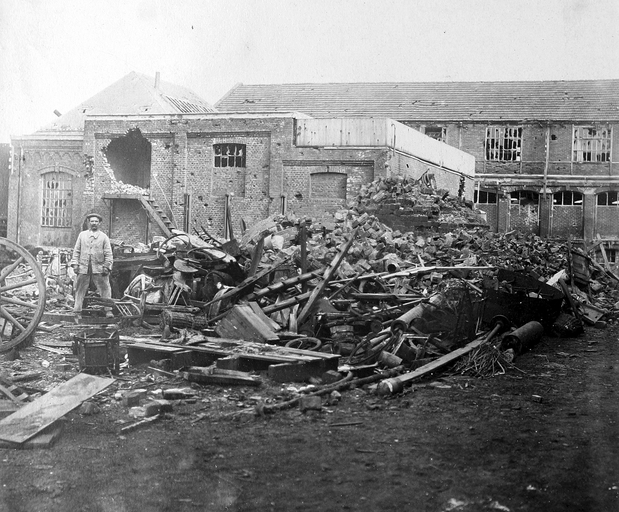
(255, 307)
(256, 257)
(7, 408)
(436, 364)
(242, 323)
(224, 347)
(329, 272)
(44, 439)
(604, 256)
(219, 376)
(10, 395)
(35, 416)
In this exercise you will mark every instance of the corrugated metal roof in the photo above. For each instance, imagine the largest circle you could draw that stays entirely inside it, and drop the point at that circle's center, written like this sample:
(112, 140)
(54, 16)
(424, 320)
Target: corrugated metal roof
(133, 94)
(582, 100)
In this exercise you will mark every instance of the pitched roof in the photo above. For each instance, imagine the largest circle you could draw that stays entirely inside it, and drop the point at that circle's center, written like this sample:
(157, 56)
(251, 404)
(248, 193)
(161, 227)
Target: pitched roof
(581, 100)
(133, 94)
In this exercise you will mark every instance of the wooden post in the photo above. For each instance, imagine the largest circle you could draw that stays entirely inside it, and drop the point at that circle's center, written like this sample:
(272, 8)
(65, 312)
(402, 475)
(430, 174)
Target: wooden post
(303, 243)
(329, 272)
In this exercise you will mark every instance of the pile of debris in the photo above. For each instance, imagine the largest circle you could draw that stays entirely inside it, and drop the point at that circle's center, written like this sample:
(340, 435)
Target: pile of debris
(341, 302)
(366, 294)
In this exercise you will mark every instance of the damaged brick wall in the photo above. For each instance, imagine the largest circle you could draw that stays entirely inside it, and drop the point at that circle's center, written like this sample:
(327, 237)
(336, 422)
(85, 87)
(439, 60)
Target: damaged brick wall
(248, 186)
(187, 166)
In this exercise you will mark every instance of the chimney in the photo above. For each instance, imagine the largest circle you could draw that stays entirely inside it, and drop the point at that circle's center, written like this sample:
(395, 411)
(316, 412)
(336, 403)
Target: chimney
(157, 75)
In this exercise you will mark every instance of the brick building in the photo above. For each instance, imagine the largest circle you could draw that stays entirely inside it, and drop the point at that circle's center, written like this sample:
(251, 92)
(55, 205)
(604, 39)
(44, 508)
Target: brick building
(50, 184)
(547, 153)
(147, 172)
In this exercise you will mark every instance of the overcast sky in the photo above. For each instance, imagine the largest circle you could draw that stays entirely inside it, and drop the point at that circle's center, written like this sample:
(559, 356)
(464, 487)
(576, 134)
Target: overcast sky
(54, 54)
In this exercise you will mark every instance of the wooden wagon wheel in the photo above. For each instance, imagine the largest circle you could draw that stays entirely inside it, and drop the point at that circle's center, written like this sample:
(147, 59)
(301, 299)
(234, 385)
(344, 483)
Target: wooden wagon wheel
(22, 294)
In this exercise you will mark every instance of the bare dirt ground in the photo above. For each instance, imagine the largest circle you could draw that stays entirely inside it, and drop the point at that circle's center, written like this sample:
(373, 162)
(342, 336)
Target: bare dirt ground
(543, 438)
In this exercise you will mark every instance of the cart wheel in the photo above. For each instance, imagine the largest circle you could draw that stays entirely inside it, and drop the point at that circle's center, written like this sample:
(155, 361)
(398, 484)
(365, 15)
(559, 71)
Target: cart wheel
(305, 344)
(22, 294)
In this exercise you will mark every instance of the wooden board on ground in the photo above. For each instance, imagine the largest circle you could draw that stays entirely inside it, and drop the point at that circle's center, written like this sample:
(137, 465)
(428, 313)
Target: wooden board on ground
(219, 376)
(35, 416)
(8, 407)
(44, 439)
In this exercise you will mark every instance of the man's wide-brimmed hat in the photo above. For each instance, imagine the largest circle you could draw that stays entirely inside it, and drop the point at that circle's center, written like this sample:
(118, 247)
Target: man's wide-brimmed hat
(93, 214)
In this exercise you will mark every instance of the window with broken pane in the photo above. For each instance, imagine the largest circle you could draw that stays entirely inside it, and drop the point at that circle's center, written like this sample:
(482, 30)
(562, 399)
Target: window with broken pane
(608, 198)
(57, 205)
(436, 132)
(504, 143)
(524, 198)
(591, 144)
(229, 155)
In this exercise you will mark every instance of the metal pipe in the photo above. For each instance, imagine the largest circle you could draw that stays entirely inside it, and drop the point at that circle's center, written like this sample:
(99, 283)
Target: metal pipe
(523, 338)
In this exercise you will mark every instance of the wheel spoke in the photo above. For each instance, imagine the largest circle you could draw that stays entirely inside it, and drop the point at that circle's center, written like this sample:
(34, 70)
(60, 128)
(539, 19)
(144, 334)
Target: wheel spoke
(22, 294)
(4, 313)
(7, 270)
(19, 284)
(17, 302)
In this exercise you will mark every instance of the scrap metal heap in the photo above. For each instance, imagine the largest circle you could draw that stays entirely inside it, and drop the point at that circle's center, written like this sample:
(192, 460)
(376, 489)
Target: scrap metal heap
(374, 296)
(346, 301)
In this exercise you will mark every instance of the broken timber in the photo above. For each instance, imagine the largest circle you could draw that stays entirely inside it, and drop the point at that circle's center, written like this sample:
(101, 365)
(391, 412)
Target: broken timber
(329, 272)
(245, 355)
(35, 416)
(242, 322)
(397, 383)
(247, 283)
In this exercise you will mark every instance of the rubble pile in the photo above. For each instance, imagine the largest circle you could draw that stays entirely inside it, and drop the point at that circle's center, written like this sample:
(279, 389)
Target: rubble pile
(333, 304)
(407, 196)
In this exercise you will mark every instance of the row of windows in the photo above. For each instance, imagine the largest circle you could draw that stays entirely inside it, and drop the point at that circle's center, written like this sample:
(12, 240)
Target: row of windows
(562, 198)
(589, 144)
(504, 143)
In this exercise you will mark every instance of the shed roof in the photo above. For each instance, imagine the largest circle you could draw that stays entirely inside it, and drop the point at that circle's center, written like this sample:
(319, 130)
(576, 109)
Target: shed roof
(581, 100)
(134, 93)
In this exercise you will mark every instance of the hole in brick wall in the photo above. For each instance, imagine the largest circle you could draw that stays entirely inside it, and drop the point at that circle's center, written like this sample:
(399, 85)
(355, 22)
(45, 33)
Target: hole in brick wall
(129, 157)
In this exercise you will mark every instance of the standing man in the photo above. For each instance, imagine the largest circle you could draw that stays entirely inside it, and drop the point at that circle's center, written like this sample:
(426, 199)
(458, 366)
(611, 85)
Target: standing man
(92, 261)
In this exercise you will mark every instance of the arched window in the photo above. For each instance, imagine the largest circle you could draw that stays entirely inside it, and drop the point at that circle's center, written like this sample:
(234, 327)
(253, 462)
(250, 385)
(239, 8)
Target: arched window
(610, 198)
(57, 204)
(567, 198)
(524, 198)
